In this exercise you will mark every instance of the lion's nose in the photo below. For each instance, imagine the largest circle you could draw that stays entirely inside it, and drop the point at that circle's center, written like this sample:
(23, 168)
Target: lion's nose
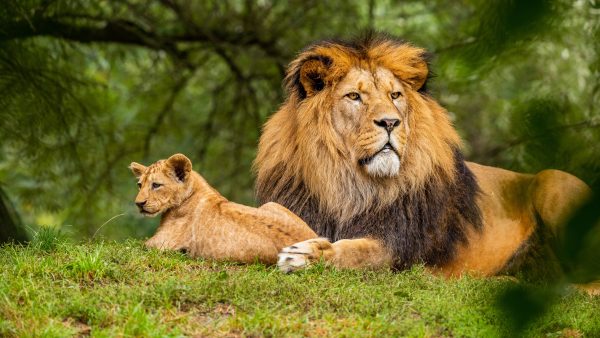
(388, 124)
(140, 204)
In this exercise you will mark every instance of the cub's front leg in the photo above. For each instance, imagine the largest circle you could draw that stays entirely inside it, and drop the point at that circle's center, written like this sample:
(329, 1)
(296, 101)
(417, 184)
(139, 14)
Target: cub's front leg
(365, 253)
(169, 239)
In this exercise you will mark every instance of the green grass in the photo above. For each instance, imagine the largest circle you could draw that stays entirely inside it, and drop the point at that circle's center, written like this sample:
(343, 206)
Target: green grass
(56, 288)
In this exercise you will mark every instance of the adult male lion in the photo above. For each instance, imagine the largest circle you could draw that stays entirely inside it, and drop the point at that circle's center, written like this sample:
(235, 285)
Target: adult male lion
(371, 162)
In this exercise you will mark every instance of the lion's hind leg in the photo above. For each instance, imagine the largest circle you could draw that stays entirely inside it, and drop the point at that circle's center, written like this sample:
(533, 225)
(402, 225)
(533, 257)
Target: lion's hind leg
(592, 289)
(288, 223)
(281, 211)
(556, 196)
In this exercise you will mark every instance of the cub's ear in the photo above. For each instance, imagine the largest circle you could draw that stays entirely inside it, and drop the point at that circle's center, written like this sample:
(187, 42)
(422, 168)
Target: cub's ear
(137, 169)
(181, 165)
(308, 75)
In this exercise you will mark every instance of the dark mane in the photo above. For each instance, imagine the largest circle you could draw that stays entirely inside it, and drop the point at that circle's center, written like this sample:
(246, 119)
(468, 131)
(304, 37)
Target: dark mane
(423, 226)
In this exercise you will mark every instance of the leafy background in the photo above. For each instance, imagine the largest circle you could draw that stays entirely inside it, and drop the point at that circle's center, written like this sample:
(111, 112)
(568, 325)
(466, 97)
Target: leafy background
(87, 87)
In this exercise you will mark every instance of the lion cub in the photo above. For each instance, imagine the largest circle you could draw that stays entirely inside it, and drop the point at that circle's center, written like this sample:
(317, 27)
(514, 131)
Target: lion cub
(198, 220)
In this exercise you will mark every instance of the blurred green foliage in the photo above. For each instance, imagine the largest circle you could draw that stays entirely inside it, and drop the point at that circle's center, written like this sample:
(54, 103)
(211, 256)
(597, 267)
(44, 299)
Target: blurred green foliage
(88, 87)
(577, 248)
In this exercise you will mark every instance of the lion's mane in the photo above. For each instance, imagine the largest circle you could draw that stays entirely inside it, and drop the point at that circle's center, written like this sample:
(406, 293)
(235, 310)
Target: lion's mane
(421, 214)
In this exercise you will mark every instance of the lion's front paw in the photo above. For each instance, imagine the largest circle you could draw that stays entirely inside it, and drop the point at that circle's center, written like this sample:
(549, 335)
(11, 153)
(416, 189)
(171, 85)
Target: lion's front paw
(299, 255)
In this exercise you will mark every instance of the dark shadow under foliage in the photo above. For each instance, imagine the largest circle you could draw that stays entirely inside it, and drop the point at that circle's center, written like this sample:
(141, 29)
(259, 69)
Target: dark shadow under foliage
(11, 229)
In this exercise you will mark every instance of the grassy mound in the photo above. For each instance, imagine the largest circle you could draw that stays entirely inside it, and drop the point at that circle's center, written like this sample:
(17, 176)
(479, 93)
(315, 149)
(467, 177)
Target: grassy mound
(56, 288)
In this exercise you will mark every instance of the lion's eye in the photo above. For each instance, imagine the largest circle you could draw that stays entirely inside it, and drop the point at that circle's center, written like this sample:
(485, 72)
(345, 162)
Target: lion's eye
(395, 95)
(139, 184)
(353, 96)
(156, 185)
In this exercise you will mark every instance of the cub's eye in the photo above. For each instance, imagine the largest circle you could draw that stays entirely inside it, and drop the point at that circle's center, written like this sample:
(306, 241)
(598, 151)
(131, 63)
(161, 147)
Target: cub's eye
(353, 96)
(156, 185)
(139, 184)
(395, 95)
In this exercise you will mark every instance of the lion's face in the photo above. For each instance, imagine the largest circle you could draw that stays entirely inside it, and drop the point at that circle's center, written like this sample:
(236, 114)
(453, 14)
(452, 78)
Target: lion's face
(370, 115)
(162, 185)
(357, 130)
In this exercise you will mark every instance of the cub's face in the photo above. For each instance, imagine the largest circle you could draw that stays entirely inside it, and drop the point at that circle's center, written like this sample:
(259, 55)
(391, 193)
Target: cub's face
(162, 185)
(370, 115)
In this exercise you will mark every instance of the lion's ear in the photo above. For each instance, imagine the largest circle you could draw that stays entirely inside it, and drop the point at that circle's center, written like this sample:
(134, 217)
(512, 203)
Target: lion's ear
(137, 169)
(181, 166)
(418, 73)
(407, 62)
(312, 75)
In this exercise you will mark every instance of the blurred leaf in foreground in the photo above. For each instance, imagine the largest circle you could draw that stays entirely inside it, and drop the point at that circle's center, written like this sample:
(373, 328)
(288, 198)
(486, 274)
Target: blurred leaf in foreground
(578, 250)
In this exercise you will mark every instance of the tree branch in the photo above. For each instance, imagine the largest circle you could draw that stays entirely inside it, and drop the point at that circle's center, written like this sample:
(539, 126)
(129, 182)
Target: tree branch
(123, 32)
(167, 107)
(118, 31)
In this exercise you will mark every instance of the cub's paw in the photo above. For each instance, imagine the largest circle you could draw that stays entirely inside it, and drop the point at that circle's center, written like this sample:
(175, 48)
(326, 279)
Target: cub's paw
(163, 245)
(154, 244)
(299, 255)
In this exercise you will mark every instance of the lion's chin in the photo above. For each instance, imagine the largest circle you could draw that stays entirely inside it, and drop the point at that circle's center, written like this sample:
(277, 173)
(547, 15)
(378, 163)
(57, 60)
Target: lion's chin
(383, 164)
(149, 214)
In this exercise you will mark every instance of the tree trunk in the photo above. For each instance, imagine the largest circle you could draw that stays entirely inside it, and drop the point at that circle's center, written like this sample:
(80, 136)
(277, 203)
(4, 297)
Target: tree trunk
(11, 228)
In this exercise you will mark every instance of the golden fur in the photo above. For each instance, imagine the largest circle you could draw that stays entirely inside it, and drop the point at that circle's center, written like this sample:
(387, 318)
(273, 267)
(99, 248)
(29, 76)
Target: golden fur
(198, 220)
(327, 163)
(315, 155)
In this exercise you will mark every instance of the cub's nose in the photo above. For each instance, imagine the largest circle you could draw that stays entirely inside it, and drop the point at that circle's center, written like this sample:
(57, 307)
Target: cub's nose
(140, 204)
(388, 124)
